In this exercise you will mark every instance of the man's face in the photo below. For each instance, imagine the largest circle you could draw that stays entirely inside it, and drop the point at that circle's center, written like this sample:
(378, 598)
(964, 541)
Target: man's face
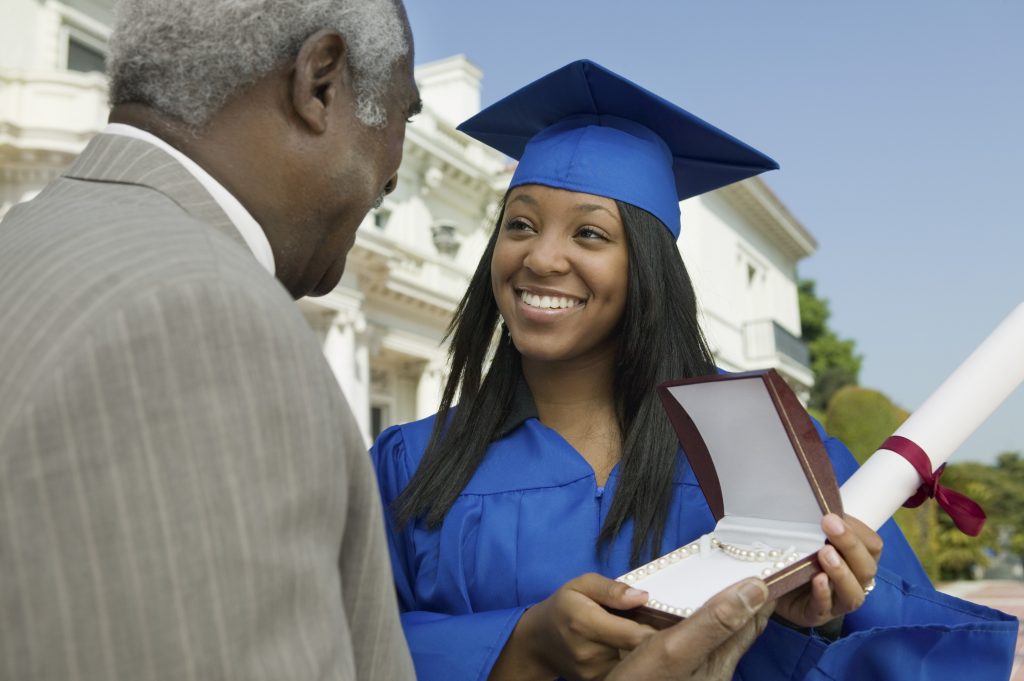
(360, 166)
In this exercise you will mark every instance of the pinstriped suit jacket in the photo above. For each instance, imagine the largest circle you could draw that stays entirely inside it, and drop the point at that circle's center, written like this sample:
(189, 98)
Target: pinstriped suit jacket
(182, 491)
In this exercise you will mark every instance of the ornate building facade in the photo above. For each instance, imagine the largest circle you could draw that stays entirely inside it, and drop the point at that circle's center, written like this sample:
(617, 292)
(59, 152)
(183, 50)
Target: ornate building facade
(382, 328)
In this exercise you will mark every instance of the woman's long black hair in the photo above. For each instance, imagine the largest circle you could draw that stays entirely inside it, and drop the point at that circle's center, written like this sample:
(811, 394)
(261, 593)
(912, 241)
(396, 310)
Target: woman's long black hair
(660, 339)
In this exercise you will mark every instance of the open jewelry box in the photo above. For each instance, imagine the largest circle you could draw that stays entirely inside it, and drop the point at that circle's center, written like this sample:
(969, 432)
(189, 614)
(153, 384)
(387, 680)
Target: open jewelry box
(767, 479)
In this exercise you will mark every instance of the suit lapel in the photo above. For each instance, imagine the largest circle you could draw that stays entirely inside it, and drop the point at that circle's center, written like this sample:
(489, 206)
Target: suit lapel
(125, 160)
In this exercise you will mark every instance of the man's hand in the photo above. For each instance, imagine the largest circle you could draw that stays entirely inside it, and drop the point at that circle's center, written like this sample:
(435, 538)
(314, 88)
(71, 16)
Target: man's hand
(706, 646)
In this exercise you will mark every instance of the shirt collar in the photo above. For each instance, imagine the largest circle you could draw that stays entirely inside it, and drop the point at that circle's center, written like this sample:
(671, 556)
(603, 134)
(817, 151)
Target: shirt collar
(246, 225)
(522, 409)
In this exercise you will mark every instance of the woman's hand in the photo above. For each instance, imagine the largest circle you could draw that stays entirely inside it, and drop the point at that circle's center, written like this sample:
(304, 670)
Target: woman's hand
(850, 562)
(571, 635)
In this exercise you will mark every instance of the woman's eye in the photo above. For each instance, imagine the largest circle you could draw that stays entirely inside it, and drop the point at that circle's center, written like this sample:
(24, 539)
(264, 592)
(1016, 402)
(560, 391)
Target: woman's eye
(517, 225)
(591, 233)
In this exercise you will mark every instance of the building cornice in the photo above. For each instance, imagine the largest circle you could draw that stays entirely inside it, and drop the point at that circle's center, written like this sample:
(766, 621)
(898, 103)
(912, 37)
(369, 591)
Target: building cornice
(762, 207)
(51, 111)
(463, 160)
(391, 271)
(445, 68)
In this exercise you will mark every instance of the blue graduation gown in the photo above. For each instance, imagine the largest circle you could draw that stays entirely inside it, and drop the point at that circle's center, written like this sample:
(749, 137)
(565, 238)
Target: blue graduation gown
(527, 523)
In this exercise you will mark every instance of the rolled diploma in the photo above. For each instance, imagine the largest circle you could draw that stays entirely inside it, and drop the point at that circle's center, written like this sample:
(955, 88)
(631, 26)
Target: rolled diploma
(941, 424)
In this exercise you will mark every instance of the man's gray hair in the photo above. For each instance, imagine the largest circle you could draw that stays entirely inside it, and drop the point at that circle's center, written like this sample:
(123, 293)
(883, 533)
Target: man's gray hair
(185, 58)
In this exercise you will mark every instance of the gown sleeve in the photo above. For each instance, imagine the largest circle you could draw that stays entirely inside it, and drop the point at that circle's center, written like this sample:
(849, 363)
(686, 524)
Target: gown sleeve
(905, 630)
(444, 647)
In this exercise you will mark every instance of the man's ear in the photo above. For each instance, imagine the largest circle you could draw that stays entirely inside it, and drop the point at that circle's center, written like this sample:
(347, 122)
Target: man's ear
(321, 76)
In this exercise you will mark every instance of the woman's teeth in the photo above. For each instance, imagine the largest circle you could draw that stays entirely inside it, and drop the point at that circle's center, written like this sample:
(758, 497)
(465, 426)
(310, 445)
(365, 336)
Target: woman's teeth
(548, 302)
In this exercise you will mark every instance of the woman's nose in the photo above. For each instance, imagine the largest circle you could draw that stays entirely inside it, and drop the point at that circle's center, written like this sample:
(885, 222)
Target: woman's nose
(547, 255)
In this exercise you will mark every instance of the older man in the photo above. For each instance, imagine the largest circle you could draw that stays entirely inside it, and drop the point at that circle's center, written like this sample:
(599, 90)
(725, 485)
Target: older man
(183, 493)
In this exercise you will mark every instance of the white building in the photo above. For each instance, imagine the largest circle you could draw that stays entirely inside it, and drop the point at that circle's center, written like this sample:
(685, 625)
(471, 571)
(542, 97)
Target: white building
(382, 327)
(53, 95)
(741, 246)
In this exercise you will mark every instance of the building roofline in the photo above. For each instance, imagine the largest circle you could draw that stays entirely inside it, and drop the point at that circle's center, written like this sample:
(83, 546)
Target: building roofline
(758, 202)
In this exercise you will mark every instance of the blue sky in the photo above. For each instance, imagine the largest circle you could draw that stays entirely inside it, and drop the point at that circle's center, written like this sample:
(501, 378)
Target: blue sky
(898, 126)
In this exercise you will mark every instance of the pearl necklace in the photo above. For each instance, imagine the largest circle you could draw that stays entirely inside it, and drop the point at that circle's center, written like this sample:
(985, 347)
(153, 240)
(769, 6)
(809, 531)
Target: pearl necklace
(779, 559)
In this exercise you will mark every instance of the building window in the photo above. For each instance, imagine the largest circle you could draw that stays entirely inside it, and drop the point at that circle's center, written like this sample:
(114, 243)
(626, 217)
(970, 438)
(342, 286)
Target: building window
(446, 239)
(752, 268)
(84, 55)
(380, 419)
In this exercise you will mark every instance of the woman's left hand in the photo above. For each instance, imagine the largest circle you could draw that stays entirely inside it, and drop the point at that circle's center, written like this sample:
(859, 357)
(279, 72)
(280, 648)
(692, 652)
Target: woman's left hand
(849, 561)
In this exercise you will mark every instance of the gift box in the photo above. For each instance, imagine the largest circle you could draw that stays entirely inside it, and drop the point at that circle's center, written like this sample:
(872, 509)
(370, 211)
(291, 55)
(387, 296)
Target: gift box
(768, 481)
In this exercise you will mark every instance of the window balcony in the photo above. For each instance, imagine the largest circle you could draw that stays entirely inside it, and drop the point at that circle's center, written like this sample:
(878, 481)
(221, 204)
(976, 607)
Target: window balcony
(768, 345)
(50, 111)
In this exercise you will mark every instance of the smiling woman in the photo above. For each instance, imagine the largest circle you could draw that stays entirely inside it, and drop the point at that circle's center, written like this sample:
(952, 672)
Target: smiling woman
(559, 460)
(558, 274)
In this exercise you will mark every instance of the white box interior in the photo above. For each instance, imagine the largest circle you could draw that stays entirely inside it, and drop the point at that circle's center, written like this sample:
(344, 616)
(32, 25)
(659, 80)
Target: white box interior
(768, 501)
(757, 469)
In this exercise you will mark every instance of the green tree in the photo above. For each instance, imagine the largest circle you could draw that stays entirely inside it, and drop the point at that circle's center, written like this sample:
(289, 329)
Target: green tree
(921, 528)
(947, 553)
(1006, 507)
(862, 418)
(998, 488)
(957, 553)
(833, 360)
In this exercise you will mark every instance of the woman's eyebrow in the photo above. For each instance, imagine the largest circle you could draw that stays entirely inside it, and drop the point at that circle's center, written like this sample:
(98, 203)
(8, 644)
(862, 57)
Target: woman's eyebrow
(591, 207)
(525, 198)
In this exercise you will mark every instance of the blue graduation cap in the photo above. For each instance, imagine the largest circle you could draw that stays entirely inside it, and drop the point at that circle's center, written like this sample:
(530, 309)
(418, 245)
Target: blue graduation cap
(586, 129)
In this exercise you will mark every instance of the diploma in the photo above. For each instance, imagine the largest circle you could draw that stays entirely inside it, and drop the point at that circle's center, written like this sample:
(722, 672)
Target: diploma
(938, 427)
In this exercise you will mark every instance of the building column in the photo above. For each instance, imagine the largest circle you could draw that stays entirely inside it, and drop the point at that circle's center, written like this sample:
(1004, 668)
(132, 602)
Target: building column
(428, 390)
(346, 350)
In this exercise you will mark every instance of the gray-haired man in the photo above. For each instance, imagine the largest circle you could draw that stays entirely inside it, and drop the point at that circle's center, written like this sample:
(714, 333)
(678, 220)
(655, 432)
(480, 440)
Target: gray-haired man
(183, 494)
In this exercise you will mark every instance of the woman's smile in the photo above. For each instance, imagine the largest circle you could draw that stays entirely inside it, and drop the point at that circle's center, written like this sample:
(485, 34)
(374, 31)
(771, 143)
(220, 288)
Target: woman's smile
(547, 306)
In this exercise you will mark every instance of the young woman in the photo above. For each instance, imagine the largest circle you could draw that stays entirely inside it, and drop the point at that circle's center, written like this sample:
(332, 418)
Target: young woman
(558, 461)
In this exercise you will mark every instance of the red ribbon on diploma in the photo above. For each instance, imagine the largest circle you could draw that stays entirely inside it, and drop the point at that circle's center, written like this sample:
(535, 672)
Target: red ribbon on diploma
(966, 514)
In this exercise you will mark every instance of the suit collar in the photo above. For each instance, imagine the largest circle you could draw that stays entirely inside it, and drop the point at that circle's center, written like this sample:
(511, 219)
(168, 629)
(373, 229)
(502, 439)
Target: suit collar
(125, 160)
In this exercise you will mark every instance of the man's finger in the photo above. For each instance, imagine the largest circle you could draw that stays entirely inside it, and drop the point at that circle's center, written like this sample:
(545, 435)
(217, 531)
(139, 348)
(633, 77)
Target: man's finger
(694, 648)
(717, 620)
(721, 664)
